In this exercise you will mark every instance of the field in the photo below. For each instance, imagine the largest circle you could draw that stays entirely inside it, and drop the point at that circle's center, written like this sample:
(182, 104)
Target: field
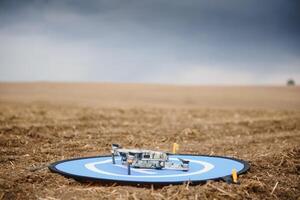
(45, 122)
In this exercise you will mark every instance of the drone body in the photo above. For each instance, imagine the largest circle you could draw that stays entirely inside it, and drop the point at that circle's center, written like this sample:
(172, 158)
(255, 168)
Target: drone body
(139, 158)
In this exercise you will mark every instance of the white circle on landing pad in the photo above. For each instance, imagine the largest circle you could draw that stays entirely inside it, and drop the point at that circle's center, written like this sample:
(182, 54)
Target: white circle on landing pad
(92, 166)
(201, 168)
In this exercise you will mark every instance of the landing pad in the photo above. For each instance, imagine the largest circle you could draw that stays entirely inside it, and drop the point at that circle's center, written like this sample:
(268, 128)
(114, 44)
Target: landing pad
(201, 168)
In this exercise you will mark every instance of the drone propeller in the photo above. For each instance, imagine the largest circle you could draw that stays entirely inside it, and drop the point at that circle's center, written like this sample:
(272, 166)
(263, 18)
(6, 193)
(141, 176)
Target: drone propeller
(116, 146)
(184, 161)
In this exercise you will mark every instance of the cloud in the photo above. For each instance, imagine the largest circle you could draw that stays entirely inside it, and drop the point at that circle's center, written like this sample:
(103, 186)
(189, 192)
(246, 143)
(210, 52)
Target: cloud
(188, 42)
(221, 76)
(36, 58)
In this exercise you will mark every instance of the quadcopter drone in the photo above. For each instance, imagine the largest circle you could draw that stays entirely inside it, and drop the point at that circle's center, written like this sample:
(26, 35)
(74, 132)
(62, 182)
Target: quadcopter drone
(140, 158)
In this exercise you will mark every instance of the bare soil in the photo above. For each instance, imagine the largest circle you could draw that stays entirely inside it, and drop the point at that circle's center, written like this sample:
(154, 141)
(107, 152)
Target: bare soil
(41, 123)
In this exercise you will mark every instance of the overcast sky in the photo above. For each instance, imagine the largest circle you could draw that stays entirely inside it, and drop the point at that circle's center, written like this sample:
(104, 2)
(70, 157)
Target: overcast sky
(153, 41)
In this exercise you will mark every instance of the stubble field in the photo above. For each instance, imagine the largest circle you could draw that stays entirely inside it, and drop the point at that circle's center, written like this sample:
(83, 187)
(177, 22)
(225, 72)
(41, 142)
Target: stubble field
(45, 122)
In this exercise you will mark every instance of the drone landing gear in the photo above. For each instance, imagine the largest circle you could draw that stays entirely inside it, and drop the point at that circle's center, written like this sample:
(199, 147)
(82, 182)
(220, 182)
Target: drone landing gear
(113, 158)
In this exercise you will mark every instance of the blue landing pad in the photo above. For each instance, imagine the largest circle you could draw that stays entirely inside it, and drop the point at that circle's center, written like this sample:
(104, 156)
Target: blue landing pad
(100, 168)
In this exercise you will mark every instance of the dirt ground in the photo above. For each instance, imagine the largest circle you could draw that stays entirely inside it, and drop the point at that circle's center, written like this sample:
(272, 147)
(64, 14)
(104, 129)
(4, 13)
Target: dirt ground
(41, 123)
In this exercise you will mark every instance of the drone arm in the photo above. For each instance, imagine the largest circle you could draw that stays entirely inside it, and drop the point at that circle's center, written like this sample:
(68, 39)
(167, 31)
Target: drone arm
(115, 148)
